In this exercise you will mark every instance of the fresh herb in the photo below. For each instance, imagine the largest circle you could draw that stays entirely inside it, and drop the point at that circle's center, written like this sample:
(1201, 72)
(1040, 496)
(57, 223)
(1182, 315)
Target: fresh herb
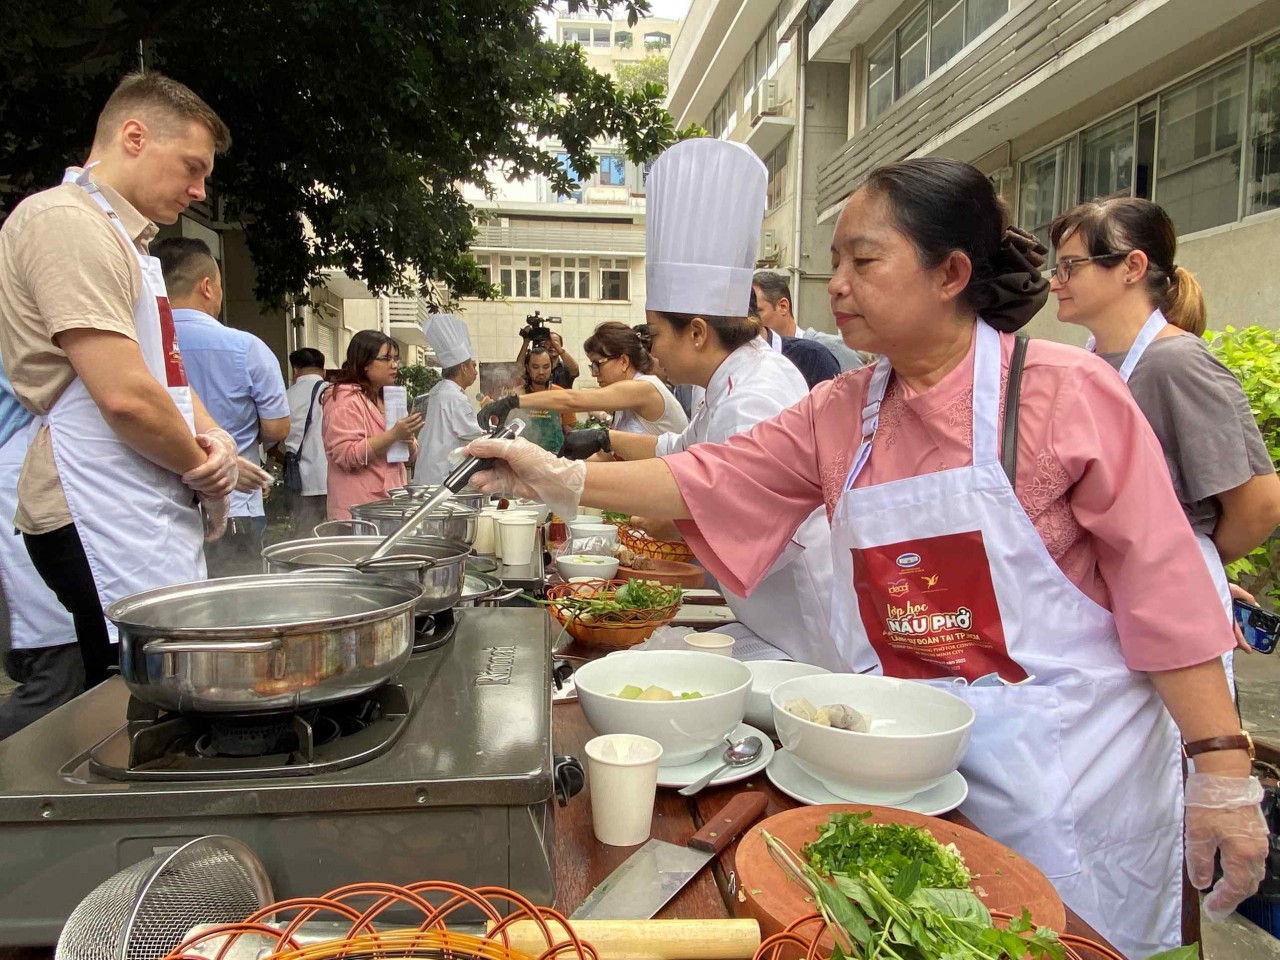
(608, 516)
(632, 595)
(1189, 952)
(871, 919)
(847, 844)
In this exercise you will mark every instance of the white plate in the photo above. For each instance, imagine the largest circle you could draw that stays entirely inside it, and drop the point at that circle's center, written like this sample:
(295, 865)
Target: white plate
(689, 773)
(798, 785)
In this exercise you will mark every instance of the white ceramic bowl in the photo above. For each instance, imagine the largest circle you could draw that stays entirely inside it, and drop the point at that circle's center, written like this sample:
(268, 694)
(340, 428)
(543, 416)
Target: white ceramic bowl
(687, 729)
(581, 529)
(586, 565)
(918, 735)
(765, 675)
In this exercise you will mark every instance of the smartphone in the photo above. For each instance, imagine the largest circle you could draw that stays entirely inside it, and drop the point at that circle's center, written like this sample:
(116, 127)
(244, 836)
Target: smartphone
(1260, 627)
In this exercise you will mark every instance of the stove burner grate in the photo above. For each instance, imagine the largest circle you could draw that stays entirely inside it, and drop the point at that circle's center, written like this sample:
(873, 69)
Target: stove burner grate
(254, 737)
(433, 631)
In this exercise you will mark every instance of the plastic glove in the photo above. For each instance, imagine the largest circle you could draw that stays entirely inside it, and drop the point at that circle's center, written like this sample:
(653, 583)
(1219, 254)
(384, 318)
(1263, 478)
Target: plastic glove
(497, 410)
(1224, 814)
(215, 517)
(218, 475)
(580, 444)
(525, 470)
(252, 477)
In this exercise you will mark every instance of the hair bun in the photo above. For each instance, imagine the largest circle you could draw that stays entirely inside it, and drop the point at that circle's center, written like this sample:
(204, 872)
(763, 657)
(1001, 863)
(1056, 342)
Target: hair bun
(1015, 291)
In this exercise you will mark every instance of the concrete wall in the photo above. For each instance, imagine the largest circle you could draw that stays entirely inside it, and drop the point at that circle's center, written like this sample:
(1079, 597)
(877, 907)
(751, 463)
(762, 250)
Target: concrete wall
(241, 309)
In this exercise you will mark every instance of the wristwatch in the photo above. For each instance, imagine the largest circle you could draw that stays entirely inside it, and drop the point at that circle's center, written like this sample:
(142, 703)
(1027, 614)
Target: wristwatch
(1239, 741)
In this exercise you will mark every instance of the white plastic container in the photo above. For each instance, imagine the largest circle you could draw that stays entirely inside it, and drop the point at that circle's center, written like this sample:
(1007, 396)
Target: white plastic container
(622, 773)
(720, 643)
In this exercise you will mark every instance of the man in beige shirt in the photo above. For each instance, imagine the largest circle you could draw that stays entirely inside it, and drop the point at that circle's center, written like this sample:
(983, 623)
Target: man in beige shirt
(72, 286)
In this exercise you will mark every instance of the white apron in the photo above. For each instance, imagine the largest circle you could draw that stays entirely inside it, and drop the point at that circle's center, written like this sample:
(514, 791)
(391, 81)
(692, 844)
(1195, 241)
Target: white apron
(138, 522)
(1077, 766)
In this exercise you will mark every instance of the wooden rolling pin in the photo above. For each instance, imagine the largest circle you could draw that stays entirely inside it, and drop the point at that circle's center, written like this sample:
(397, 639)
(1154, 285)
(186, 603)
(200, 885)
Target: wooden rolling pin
(651, 939)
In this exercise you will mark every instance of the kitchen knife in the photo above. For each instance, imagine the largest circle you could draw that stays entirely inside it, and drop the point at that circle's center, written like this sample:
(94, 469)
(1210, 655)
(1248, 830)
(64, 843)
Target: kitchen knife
(656, 872)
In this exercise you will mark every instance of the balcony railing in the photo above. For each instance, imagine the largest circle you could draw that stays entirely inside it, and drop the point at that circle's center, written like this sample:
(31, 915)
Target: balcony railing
(544, 237)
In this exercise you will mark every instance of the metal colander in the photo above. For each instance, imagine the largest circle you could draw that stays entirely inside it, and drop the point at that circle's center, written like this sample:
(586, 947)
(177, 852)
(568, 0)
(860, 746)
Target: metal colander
(146, 910)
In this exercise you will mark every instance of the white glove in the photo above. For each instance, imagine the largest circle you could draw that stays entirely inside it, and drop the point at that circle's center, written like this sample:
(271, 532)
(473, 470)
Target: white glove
(1225, 814)
(215, 517)
(252, 477)
(217, 476)
(525, 470)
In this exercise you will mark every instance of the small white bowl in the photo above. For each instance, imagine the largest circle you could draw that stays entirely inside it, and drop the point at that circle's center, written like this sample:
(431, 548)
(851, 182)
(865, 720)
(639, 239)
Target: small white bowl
(687, 729)
(586, 565)
(918, 735)
(765, 675)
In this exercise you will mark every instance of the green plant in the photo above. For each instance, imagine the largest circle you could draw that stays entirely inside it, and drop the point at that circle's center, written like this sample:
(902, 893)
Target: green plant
(418, 379)
(1253, 355)
(623, 39)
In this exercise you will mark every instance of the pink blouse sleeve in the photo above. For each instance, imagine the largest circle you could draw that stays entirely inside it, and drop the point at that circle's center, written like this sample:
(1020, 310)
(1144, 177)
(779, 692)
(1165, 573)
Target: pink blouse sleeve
(346, 431)
(748, 496)
(1166, 607)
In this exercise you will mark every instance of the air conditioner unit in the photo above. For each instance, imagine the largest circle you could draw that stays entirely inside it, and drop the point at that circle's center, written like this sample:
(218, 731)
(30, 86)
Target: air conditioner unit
(768, 245)
(764, 100)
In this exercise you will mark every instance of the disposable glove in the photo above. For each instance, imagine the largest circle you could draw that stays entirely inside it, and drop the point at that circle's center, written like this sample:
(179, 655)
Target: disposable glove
(252, 477)
(219, 473)
(580, 444)
(498, 410)
(526, 471)
(215, 516)
(1224, 814)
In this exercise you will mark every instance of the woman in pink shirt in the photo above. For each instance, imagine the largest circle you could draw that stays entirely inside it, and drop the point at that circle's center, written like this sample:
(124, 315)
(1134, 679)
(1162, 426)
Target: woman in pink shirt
(1059, 591)
(356, 438)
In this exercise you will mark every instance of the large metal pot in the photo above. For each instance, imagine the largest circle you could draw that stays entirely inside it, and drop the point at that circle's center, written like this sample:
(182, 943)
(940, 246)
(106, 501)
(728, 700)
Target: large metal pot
(266, 643)
(433, 564)
(422, 491)
(452, 521)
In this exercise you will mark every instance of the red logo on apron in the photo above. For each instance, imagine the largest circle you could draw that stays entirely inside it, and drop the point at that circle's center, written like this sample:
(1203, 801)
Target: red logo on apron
(175, 373)
(929, 608)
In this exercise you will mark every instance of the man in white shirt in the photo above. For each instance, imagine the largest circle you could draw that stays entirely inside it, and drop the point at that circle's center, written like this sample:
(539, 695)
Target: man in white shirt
(309, 504)
(773, 299)
(450, 418)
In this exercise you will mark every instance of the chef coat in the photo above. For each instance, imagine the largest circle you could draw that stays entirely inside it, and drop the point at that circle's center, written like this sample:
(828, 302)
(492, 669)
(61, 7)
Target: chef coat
(450, 423)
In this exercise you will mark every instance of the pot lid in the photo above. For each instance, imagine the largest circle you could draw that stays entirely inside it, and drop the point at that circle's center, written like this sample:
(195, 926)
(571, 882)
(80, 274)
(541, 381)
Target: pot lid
(401, 508)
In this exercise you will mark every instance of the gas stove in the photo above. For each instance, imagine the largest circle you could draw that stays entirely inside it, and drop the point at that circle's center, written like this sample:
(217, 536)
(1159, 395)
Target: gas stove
(445, 773)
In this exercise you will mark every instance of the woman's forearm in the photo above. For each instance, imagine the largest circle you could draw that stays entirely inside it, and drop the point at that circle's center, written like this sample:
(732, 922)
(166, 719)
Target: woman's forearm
(1200, 703)
(380, 443)
(633, 446)
(645, 487)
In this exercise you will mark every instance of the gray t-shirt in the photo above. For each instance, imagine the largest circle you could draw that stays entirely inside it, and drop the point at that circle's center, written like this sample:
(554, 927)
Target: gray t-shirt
(1202, 419)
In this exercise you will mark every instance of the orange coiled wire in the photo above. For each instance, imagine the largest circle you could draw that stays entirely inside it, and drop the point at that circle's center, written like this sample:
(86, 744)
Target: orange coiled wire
(363, 936)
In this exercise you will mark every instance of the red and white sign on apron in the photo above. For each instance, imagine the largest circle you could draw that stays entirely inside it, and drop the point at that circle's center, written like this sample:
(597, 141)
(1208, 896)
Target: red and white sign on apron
(1077, 766)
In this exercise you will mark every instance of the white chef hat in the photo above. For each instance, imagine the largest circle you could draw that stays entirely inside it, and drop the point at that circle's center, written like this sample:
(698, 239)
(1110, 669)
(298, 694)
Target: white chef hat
(705, 206)
(449, 338)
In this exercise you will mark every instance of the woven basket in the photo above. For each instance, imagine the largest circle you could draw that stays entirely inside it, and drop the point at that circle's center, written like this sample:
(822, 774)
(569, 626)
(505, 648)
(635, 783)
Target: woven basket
(637, 541)
(625, 628)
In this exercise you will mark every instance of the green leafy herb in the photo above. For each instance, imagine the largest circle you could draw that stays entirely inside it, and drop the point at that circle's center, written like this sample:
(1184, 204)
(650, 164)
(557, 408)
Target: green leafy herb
(632, 595)
(848, 844)
(608, 516)
(1190, 952)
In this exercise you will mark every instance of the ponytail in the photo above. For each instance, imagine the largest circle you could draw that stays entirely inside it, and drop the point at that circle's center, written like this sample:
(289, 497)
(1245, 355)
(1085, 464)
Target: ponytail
(1184, 302)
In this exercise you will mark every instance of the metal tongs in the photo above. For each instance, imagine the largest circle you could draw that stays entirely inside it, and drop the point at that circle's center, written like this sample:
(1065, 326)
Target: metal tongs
(453, 483)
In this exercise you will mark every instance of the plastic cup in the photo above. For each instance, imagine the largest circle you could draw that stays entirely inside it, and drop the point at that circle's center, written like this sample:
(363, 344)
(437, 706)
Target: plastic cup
(519, 535)
(720, 643)
(622, 772)
(590, 530)
(484, 533)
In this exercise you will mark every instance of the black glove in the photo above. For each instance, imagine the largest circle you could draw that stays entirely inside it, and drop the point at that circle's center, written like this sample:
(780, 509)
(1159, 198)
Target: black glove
(497, 409)
(580, 444)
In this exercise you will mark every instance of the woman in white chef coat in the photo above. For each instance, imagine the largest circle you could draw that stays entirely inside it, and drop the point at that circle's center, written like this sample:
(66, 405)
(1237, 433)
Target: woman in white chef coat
(450, 420)
(1090, 638)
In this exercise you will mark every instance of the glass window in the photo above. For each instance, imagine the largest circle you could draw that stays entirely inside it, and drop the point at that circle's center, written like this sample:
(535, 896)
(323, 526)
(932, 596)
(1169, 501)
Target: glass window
(1046, 189)
(947, 36)
(1106, 158)
(615, 276)
(657, 39)
(1144, 167)
(577, 35)
(980, 14)
(913, 51)
(601, 35)
(1264, 131)
(776, 165)
(880, 80)
(523, 278)
(748, 78)
(1201, 126)
(762, 60)
(575, 191)
(613, 170)
(569, 278)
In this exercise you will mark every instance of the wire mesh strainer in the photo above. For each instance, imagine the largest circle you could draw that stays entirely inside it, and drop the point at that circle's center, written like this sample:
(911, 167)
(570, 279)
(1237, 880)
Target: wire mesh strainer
(144, 911)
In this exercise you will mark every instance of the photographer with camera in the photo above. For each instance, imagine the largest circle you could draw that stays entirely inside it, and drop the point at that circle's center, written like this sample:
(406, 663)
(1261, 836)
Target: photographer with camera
(564, 368)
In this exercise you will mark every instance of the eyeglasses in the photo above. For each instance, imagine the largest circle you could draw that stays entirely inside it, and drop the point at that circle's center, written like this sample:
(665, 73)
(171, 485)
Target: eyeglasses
(387, 359)
(595, 365)
(1062, 269)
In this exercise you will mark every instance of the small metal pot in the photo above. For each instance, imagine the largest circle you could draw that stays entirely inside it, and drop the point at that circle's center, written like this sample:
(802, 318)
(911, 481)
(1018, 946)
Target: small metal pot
(434, 565)
(452, 521)
(473, 499)
(485, 590)
(264, 644)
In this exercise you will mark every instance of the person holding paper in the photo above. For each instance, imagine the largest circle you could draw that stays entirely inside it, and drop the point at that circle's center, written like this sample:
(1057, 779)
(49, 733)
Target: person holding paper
(357, 439)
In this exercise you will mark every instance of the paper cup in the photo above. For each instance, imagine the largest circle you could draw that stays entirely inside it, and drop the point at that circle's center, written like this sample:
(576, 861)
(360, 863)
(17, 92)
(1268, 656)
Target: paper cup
(519, 535)
(622, 773)
(495, 543)
(720, 643)
(484, 533)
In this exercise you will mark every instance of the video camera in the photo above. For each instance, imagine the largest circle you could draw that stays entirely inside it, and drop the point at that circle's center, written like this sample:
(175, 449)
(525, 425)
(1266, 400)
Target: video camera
(535, 329)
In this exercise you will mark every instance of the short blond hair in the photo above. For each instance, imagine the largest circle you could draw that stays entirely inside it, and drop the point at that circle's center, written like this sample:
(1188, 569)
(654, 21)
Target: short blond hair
(155, 93)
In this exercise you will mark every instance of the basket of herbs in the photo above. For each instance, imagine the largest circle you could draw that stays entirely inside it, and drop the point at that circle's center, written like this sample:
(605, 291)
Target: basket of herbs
(613, 613)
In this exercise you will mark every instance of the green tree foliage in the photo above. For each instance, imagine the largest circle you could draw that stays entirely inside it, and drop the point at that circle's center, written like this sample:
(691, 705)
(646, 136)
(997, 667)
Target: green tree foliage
(361, 118)
(418, 379)
(635, 77)
(1253, 355)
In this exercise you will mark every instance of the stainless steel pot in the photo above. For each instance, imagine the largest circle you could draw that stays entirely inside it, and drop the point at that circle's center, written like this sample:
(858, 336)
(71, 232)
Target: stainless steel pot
(433, 564)
(452, 521)
(266, 643)
(485, 590)
(421, 491)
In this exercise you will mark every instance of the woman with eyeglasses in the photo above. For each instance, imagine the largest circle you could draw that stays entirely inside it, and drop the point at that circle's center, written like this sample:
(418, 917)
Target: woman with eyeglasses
(1116, 276)
(356, 438)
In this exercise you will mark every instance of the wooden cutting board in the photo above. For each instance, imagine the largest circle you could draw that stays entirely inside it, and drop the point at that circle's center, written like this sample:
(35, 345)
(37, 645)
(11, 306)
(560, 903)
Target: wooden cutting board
(1003, 880)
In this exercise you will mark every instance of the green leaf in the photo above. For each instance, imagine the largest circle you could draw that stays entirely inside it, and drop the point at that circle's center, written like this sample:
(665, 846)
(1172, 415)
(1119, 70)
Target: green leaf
(1190, 952)
(907, 880)
(845, 912)
(960, 904)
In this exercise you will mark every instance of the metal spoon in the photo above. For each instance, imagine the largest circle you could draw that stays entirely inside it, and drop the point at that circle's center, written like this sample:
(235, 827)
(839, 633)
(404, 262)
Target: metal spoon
(735, 755)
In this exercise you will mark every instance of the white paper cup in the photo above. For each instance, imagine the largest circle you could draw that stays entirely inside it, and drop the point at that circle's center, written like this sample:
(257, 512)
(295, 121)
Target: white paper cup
(519, 534)
(484, 533)
(622, 772)
(495, 545)
(710, 643)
